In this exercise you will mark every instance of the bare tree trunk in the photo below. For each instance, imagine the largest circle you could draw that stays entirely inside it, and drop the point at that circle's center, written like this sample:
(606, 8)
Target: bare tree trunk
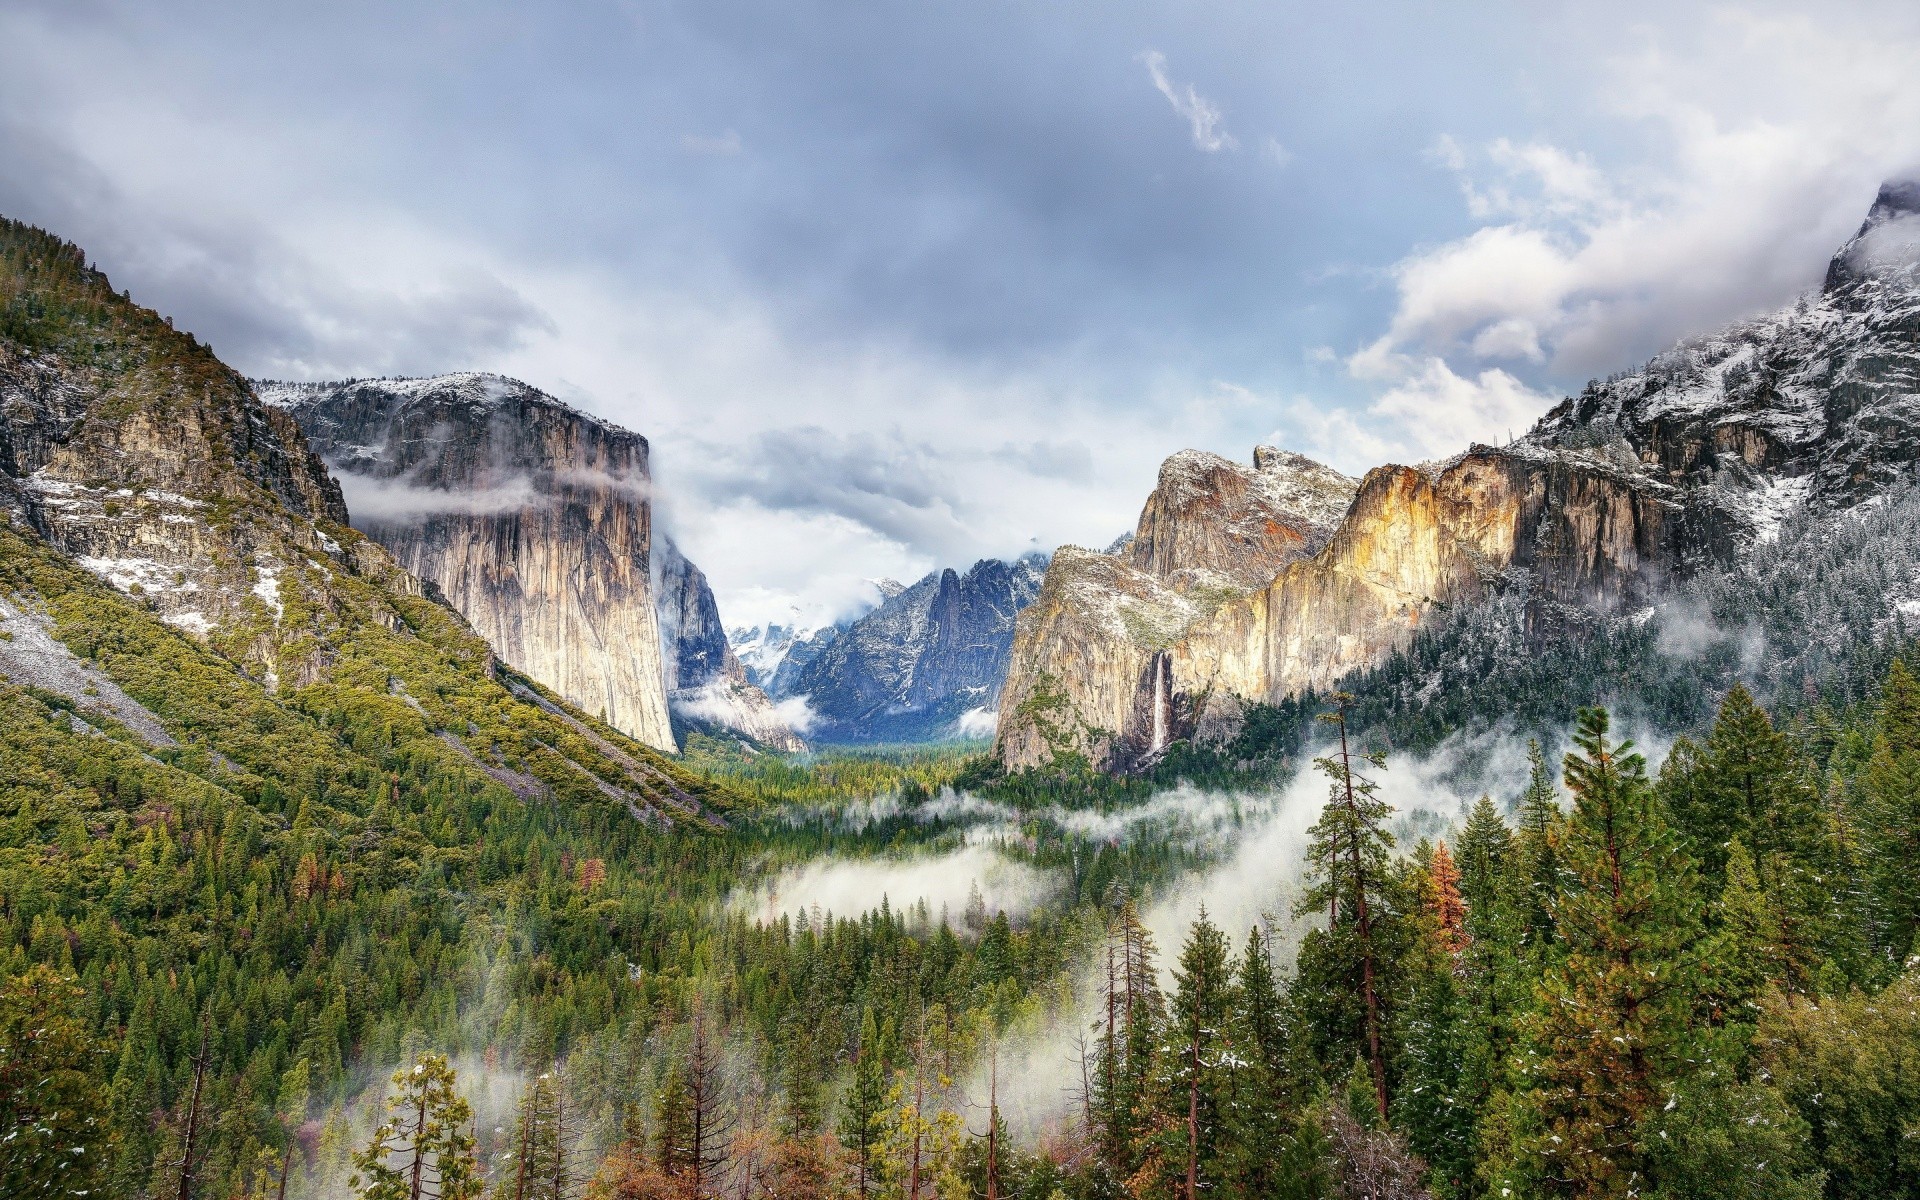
(993, 1123)
(193, 1115)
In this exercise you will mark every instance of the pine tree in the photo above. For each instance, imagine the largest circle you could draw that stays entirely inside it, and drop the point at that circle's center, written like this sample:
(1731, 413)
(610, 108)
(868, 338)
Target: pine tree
(1612, 1031)
(1347, 863)
(1748, 783)
(1890, 816)
(1257, 1125)
(1539, 856)
(1196, 1047)
(864, 1103)
(1486, 851)
(423, 1150)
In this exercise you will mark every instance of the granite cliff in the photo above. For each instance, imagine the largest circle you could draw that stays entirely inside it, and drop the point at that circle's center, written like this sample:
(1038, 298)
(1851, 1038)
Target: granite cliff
(530, 517)
(1641, 481)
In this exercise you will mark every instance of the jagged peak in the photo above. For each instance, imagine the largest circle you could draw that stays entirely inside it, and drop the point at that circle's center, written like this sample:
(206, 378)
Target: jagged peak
(1888, 242)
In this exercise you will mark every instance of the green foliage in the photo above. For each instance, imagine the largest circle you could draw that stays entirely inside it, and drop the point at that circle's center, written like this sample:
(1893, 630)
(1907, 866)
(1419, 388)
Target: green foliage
(423, 1144)
(53, 1130)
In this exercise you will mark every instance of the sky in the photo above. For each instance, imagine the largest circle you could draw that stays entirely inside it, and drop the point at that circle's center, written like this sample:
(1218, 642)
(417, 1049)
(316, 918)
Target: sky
(895, 286)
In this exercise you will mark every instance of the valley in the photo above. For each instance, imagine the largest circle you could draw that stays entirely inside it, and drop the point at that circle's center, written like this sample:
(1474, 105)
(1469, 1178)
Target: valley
(380, 782)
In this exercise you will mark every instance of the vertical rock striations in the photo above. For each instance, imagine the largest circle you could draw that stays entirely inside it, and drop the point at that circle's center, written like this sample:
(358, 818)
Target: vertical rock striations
(530, 517)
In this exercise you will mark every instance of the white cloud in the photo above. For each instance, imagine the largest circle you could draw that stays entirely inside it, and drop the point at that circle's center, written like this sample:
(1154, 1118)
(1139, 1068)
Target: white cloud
(398, 501)
(1772, 134)
(943, 882)
(977, 722)
(1203, 116)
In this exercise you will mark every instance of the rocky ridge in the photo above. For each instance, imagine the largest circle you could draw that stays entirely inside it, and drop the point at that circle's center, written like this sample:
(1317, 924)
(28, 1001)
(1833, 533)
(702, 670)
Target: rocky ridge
(1685, 465)
(176, 569)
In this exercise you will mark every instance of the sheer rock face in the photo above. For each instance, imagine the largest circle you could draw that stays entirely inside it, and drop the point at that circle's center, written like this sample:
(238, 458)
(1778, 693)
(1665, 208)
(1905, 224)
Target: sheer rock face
(1212, 520)
(928, 663)
(706, 685)
(530, 517)
(1687, 462)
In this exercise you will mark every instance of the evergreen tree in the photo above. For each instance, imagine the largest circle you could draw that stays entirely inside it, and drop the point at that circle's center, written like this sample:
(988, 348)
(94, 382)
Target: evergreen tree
(423, 1150)
(1539, 856)
(1890, 816)
(1612, 1032)
(864, 1103)
(1193, 1086)
(1347, 857)
(1257, 1124)
(54, 1136)
(1486, 851)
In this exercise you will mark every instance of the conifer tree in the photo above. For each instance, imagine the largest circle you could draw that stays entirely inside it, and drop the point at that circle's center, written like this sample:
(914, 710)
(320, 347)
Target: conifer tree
(1539, 856)
(1347, 863)
(1193, 1088)
(423, 1150)
(1612, 1030)
(864, 1103)
(1486, 851)
(1890, 816)
(1260, 1085)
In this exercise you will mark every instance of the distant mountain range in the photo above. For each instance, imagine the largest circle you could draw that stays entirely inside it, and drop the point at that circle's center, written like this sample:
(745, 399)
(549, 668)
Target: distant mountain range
(926, 664)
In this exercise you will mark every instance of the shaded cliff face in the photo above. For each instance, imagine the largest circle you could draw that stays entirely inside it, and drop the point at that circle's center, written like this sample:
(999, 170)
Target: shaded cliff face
(530, 517)
(1213, 521)
(929, 663)
(706, 685)
(1688, 463)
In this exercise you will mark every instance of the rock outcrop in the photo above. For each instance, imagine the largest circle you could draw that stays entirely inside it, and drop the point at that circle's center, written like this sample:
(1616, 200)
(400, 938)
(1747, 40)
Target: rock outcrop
(927, 664)
(530, 517)
(1616, 494)
(706, 686)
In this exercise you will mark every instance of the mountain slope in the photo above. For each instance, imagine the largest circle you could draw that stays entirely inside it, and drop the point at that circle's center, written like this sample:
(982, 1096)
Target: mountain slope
(914, 668)
(244, 617)
(1621, 495)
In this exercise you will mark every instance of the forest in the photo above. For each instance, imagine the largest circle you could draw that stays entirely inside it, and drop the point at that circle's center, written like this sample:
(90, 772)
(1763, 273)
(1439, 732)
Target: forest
(380, 975)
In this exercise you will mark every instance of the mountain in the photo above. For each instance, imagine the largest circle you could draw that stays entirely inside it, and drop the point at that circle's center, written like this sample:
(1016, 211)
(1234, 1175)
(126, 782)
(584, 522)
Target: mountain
(706, 685)
(927, 664)
(1643, 485)
(530, 517)
(182, 597)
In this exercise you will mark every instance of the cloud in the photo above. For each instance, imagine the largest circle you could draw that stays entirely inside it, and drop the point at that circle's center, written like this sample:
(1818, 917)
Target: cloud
(944, 882)
(398, 501)
(1586, 266)
(977, 723)
(1202, 116)
(796, 712)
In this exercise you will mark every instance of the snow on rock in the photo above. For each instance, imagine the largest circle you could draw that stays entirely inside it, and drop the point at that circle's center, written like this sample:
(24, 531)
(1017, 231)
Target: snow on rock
(30, 656)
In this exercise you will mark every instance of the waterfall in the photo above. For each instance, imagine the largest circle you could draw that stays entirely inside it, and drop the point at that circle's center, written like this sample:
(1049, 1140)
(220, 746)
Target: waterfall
(1162, 667)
